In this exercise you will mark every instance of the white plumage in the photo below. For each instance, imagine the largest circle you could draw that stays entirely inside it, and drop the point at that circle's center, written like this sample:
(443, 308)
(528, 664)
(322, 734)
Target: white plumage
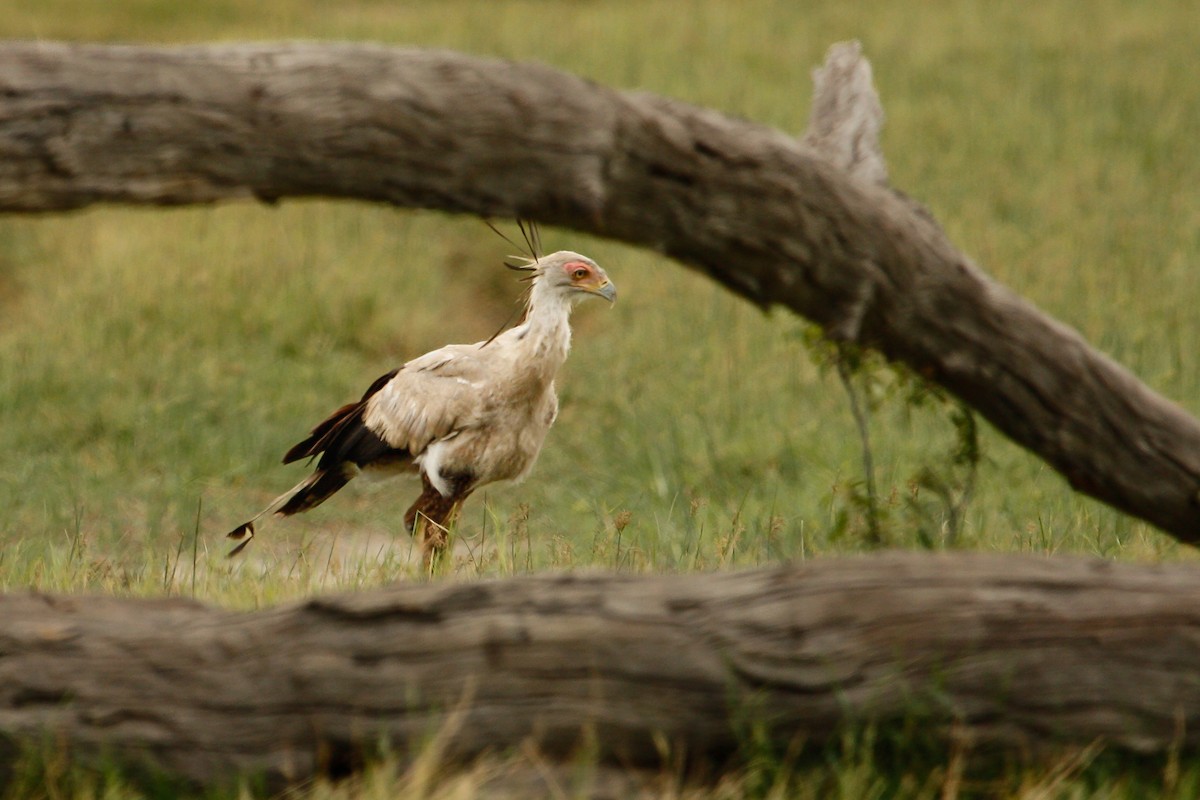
(462, 416)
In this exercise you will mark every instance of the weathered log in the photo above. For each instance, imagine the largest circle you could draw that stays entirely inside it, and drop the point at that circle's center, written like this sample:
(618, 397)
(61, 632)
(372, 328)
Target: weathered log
(776, 220)
(1008, 650)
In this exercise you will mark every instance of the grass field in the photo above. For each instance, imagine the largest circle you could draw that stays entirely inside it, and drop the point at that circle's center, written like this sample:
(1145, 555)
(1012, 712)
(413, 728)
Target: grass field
(155, 364)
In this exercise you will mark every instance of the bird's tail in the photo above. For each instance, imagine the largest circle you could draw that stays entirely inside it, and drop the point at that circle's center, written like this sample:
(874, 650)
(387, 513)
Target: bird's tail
(313, 490)
(308, 493)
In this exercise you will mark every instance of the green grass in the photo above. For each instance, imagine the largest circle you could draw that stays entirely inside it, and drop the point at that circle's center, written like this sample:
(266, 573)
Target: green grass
(155, 364)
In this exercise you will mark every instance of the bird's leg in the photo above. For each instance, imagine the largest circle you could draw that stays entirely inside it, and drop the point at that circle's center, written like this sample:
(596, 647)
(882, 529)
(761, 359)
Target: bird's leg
(433, 514)
(437, 536)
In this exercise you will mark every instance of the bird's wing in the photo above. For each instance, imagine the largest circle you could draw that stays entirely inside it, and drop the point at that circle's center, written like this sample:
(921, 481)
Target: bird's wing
(431, 397)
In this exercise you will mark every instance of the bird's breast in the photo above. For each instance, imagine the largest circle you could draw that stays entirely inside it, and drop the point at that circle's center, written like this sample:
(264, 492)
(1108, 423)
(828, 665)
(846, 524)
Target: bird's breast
(506, 443)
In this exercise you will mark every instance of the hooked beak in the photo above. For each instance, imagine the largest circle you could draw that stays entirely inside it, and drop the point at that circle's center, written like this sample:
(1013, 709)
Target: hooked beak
(607, 290)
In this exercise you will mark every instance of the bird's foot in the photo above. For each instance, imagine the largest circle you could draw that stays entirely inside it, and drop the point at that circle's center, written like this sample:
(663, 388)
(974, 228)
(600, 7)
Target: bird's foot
(434, 541)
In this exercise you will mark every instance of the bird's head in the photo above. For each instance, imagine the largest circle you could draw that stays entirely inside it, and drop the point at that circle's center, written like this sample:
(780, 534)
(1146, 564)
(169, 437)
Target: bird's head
(573, 276)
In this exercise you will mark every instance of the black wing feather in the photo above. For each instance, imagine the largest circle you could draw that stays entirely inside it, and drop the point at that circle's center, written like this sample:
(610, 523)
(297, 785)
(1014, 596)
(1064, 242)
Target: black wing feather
(332, 427)
(353, 442)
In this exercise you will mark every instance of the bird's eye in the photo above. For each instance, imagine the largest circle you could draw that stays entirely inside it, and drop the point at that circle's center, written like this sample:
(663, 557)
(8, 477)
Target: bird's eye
(579, 274)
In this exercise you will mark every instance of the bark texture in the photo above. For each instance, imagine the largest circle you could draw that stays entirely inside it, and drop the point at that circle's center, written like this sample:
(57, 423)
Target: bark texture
(1014, 651)
(808, 225)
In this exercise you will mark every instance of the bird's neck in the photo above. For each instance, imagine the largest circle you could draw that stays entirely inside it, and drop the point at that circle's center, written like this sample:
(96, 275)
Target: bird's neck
(547, 335)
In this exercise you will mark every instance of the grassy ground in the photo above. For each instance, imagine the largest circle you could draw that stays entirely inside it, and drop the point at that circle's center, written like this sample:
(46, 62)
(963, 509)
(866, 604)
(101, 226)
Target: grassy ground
(155, 364)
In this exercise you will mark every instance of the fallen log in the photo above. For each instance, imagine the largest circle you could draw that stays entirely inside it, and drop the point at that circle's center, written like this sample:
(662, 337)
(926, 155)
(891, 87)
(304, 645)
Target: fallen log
(1000, 650)
(807, 225)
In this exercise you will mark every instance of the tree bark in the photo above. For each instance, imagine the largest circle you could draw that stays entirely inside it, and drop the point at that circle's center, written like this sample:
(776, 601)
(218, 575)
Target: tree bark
(806, 225)
(1011, 651)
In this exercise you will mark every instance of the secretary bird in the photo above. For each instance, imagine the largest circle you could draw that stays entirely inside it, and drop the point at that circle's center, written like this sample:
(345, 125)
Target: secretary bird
(460, 417)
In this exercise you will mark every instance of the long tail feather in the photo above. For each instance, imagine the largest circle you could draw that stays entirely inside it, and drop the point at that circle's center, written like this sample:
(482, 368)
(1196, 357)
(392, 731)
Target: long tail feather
(245, 531)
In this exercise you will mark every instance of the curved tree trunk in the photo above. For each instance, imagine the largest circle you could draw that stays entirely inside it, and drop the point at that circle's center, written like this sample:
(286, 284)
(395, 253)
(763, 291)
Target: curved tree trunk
(998, 650)
(805, 225)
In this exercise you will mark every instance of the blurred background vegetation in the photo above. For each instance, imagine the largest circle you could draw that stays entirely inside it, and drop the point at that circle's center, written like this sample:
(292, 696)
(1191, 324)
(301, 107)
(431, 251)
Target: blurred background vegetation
(155, 364)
